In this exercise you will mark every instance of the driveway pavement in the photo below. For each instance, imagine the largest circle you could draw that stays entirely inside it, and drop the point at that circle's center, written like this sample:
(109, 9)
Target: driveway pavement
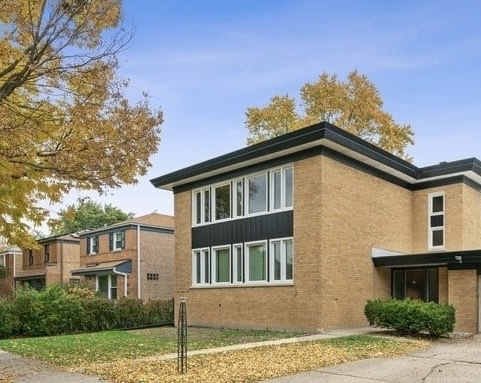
(453, 362)
(16, 369)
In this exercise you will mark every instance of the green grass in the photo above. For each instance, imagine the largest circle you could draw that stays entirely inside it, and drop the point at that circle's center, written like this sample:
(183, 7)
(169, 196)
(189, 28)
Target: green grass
(70, 350)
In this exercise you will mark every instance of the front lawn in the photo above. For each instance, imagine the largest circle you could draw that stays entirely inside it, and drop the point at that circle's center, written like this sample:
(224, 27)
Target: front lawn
(82, 349)
(137, 356)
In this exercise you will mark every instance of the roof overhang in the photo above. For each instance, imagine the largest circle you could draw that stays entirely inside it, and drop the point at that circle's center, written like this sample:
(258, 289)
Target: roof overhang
(124, 266)
(30, 274)
(327, 136)
(445, 258)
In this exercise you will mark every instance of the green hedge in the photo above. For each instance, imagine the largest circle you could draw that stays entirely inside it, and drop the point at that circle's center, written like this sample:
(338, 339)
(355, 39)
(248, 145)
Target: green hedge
(62, 310)
(411, 316)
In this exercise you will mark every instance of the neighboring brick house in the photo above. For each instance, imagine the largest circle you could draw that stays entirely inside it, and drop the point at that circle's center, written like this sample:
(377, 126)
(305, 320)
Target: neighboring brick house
(299, 231)
(11, 260)
(51, 263)
(133, 258)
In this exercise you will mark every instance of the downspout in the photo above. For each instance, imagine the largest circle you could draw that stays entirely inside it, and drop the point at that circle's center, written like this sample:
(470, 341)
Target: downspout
(139, 295)
(14, 269)
(125, 279)
(61, 261)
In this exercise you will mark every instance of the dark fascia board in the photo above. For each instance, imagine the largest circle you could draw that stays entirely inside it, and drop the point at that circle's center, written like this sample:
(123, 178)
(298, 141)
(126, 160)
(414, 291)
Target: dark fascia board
(290, 141)
(444, 168)
(426, 259)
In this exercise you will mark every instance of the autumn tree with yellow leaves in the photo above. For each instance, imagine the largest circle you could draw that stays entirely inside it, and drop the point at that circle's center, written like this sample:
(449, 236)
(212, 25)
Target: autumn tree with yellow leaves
(354, 105)
(65, 121)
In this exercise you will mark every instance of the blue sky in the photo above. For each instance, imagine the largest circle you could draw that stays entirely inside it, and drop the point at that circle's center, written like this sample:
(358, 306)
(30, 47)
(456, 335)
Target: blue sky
(205, 62)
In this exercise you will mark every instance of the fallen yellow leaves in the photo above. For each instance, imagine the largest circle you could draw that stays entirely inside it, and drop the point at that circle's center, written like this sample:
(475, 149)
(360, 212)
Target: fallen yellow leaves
(249, 365)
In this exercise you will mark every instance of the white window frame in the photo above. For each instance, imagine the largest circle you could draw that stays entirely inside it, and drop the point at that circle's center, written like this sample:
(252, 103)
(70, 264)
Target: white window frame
(91, 240)
(214, 265)
(247, 212)
(201, 191)
(235, 269)
(235, 212)
(247, 279)
(203, 251)
(283, 262)
(282, 172)
(432, 229)
(2, 260)
(213, 207)
(117, 234)
(109, 284)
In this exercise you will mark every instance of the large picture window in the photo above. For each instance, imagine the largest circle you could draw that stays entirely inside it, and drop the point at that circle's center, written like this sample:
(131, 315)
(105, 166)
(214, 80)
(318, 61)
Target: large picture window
(222, 265)
(436, 220)
(256, 259)
(222, 202)
(257, 193)
(416, 284)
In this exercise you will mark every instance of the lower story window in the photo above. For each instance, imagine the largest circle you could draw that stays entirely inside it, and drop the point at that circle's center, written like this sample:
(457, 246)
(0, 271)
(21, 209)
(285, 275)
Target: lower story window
(107, 285)
(244, 263)
(416, 284)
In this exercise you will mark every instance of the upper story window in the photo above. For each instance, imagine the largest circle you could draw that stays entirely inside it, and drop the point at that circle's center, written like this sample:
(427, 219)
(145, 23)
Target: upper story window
(117, 240)
(253, 194)
(281, 188)
(257, 193)
(46, 253)
(436, 220)
(92, 245)
(222, 198)
(201, 206)
(30, 257)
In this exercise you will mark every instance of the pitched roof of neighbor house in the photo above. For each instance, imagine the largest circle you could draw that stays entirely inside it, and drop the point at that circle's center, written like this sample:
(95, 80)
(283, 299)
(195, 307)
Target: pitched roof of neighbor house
(153, 220)
(326, 138)
(71, 237)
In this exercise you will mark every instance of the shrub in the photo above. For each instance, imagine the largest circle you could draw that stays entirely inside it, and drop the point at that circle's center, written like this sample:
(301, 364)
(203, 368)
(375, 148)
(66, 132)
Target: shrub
(8, 322)
(411, 316)
(61, 309)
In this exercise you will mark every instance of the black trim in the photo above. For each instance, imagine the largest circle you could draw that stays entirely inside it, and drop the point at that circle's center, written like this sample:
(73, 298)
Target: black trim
(469, 258)
(307, 142)
(444, 168)
(307, 135)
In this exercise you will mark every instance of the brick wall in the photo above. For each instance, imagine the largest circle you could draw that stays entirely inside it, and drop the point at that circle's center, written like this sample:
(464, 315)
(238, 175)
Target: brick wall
(359, 211)
(463, 295)
(157, 257)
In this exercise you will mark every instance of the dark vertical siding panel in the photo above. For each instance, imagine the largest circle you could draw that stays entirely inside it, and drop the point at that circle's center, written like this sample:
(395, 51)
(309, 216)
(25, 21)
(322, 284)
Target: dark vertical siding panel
(249, 229)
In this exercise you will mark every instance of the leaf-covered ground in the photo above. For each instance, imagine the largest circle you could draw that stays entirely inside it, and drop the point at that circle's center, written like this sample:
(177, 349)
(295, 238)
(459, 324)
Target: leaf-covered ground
(253, 365)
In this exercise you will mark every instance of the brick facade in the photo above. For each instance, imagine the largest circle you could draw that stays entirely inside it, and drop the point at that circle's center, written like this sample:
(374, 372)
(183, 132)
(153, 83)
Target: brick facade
(350, 199)
(148, 238)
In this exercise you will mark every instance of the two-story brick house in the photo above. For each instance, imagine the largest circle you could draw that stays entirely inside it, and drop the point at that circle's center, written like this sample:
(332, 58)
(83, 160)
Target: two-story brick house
(133, 258)
(299, 231)
(50, 263)
(11, 262)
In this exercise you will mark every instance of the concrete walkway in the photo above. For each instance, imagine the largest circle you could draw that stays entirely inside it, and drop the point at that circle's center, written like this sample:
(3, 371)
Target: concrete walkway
(448, 362)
